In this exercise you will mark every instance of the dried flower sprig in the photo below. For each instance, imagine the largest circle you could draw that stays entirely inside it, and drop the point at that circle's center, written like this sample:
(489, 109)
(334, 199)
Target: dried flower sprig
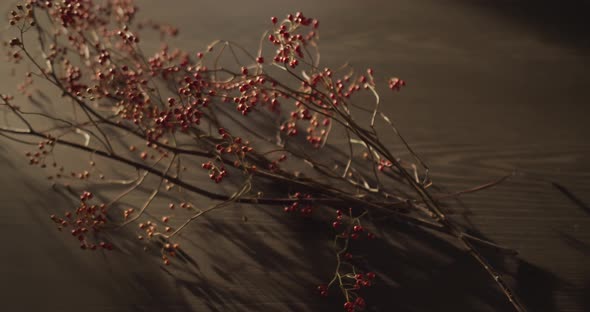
(196, 109)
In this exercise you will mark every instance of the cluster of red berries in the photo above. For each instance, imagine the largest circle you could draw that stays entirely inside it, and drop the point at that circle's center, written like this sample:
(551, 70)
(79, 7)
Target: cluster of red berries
(38, 157)
(71, 11)
(305, 209)
(396, 84)
(384, 163)
(73, 78)
(290, 128)
(363, 280)
(314, 136)
(274, 165)
(127, 212)
(250, 92)
(289, 44)
(23, 13)
(86, 218)
(169, 250)
(149, 227)
(352, 231)
(358, 304)
(127, 37)
(129, 81)
(215, 173)
(302, 113)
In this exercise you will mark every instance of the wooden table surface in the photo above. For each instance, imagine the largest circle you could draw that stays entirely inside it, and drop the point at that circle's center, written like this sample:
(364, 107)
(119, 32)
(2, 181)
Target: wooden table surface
(494, 87)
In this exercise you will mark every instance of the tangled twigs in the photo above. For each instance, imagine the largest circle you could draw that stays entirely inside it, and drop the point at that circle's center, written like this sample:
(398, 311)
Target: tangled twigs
(223, 115)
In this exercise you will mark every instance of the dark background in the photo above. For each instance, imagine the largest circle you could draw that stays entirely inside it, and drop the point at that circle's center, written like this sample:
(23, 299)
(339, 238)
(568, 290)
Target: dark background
(493, 86)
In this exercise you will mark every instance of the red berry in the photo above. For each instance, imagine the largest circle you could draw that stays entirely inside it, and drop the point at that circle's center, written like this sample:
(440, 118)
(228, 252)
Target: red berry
(274, 19)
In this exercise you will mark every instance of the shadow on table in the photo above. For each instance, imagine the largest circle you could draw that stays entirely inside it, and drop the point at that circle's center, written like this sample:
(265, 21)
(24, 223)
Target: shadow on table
(274, 262)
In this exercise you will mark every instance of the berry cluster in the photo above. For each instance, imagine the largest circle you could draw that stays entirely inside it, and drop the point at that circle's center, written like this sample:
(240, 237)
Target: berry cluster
(92, 54)
(215, 173)
(347, 277)
(358, 304)
(169, 250)
(274, 165)
(384, 163)
(22, 14)
(396, 84)
(305, 209)
(85, 219)
(288, 41)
